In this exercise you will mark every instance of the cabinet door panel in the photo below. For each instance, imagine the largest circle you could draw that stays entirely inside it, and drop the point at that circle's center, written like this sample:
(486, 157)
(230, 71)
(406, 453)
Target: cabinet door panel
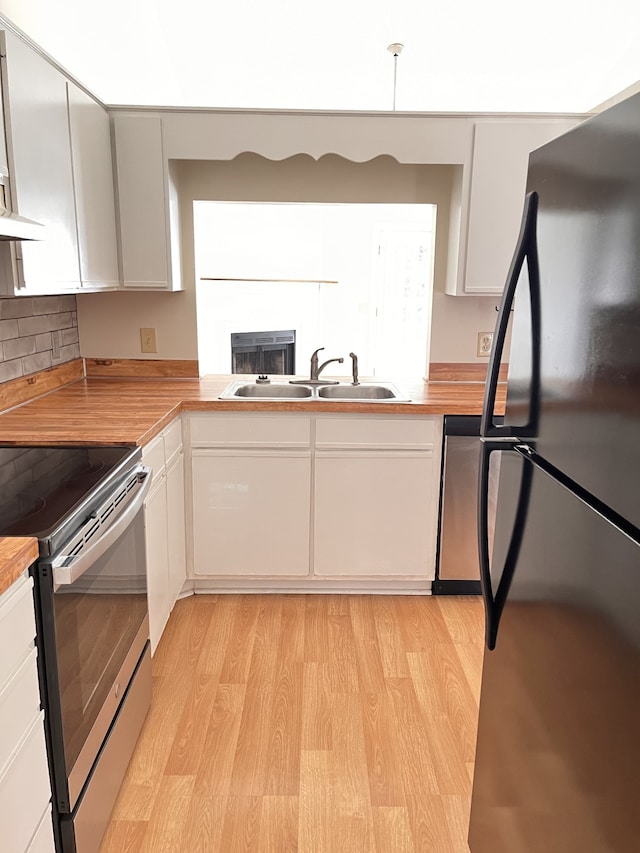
(42, 841)
(93, 180)
(17, 627)
(251, 515)
(25, 790)
(498, 179)
(19, 705)
(142, 202)
(375, 516)
(40, 167)
(176, 538)
(155, 523)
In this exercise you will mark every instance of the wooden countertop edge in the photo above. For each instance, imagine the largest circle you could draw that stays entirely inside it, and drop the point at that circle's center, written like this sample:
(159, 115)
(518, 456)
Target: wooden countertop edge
(16, 554)
(112, 411)
(160, 424)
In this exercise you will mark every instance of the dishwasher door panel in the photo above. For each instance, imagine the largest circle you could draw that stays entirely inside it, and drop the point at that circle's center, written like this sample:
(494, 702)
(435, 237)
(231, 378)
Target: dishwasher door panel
(458, 556)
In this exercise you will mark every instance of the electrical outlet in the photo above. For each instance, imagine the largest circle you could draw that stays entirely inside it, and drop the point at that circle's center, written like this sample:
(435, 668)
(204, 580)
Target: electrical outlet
(485, 342)
(148, 341)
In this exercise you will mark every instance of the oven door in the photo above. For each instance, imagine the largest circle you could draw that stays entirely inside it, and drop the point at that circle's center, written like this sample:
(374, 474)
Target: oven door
(93, 628)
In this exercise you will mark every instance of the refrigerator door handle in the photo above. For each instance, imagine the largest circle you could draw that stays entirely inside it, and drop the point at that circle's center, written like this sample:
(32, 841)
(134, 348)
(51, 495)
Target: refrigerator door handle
(494, 604)
(526, 249)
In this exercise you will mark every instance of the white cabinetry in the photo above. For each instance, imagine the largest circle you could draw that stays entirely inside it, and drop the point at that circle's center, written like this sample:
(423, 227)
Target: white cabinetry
(94, 191)
(375, 497)
(60, 175)
(148, 206)
(489, 198)
(25, 792)
(314, 499)
(251, 479)
(41, 179)
(164, 518)
(176, 524)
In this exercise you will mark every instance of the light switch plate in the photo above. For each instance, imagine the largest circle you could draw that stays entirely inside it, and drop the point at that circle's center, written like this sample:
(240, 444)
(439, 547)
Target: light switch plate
(148, 341)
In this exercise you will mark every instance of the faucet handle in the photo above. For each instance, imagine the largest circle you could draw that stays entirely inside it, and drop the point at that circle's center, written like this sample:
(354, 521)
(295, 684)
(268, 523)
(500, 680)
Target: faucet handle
(315, 354)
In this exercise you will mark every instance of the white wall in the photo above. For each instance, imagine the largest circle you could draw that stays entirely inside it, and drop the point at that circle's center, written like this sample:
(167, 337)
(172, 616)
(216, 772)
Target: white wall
(109, 323)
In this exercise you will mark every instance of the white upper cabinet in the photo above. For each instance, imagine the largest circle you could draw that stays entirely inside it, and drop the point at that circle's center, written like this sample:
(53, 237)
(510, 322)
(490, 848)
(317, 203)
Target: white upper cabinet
(41, 177)
(61, 175)
(94, 191)
(488, 200)
(148, 206)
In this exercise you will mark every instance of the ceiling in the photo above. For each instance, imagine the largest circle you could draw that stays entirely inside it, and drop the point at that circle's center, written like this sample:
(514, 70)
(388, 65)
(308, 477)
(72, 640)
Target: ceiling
(459, 55)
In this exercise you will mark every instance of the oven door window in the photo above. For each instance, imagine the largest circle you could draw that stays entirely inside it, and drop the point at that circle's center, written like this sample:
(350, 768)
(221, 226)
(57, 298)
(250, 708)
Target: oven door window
(97, 620)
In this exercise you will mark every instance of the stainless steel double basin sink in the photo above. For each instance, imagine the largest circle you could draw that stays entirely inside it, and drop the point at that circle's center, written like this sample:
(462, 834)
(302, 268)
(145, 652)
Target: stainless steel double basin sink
(383, 392)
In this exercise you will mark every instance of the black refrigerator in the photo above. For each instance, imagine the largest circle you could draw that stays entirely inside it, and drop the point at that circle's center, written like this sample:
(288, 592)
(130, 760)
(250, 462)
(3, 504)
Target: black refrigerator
(558, 752)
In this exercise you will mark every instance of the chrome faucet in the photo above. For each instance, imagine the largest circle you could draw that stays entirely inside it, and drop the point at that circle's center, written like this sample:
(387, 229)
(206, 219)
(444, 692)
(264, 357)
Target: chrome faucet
(354, 368)
(316, 370)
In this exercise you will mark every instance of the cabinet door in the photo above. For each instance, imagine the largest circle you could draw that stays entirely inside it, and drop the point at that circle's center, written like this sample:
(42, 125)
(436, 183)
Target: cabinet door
(155, 522)
(42, 841)
(251, 514)
(40, 168)
(176, 528)
(375, 515)
(94, 191)
(25, 790)
(498, 180)
(144, 202)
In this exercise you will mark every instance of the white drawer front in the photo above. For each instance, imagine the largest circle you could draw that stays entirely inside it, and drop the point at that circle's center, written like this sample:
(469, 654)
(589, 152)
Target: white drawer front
(43, 839)
(19, 704)
(376, 432)
(153, 455)
(250, 431)
(17, 626)
(172, 440)
(24, 791)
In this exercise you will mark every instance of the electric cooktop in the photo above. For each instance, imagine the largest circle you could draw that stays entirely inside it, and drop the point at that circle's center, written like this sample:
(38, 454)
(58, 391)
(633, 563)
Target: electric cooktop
(41, 488)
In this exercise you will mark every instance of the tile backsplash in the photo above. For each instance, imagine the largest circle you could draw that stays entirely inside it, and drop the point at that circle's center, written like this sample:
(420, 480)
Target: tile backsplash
(37, 332)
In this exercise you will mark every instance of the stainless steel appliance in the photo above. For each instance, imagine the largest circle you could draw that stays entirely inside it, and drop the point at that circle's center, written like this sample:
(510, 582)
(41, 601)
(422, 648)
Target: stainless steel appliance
(559, 736)
(85, 507)
(457, 567)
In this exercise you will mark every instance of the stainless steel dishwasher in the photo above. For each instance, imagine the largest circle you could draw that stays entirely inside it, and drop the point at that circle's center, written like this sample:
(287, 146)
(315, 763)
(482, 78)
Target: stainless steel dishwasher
(458, 570)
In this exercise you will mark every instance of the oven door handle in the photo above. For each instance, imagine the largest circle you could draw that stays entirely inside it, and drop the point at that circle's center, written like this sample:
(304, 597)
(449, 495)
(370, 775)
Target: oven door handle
(75, 567)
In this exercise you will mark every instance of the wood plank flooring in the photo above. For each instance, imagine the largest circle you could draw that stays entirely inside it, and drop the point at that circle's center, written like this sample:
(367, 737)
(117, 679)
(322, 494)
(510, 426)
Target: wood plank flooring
(308, 723)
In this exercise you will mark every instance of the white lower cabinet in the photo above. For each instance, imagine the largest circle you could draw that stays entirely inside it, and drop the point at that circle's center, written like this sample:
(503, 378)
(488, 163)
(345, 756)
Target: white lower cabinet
(155, 523)
(371, 516)
(42, 841)
(251, 513)
(315, 498)
(25, 790)
(176, 526)
(164, 520)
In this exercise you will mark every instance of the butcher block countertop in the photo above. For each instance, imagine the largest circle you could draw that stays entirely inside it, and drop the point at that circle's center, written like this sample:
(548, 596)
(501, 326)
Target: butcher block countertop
(105, 411)
(17, 553)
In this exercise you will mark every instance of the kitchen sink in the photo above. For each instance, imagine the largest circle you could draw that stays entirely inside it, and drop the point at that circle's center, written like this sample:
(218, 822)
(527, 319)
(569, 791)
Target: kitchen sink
(366, 392)
(358, 392)
(269, 391)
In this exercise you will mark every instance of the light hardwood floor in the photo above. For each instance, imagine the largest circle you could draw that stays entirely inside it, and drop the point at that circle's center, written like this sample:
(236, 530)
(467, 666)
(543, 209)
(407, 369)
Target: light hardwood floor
(310, 723)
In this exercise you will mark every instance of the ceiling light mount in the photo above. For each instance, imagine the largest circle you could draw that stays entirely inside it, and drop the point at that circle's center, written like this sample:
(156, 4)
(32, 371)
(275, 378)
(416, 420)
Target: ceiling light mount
(396, 50)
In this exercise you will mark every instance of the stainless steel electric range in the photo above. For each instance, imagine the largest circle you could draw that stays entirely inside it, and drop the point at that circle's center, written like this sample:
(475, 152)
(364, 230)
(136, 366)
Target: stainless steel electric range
(84, 504)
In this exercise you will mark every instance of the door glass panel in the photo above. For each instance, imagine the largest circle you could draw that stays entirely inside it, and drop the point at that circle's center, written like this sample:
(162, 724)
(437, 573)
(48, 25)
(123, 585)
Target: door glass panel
(96, 620)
